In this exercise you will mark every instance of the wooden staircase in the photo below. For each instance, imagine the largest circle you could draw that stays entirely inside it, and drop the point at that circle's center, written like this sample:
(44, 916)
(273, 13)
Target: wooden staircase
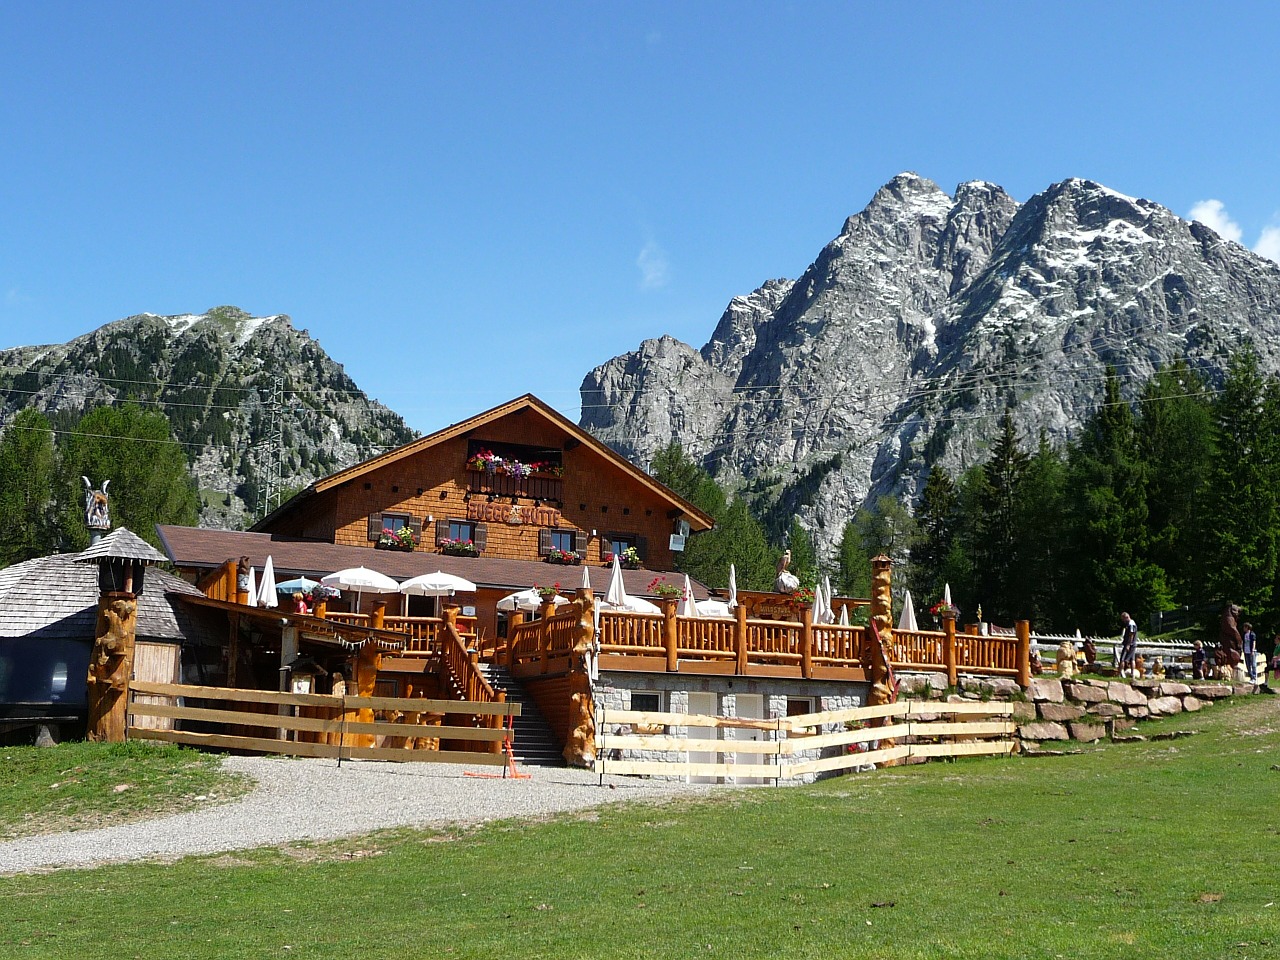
(535, 743)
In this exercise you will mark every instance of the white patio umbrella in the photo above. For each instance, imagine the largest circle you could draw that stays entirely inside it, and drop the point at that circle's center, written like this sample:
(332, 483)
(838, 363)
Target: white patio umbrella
(828, 612)
(253, 588)
(946, 594)
(297, 585)
(844, 614)
(361, 580)
(617, 598)
(616, 594)
(816, 612)
(528, 599)
(687, 607)
(267, 589)
(438, 584)
(586, 578)
(908, 619)
(714, 609)
(733, 586)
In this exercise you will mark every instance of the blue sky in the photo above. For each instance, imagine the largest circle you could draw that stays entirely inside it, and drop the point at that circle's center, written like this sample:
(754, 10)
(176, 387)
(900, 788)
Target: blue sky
(464, 202)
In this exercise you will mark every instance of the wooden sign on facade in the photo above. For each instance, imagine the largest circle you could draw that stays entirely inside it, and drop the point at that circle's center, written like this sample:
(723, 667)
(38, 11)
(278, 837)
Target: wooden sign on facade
(513, 513)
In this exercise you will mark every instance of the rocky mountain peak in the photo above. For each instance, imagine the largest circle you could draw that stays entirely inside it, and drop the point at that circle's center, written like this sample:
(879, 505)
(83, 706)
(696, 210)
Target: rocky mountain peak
(919, 323)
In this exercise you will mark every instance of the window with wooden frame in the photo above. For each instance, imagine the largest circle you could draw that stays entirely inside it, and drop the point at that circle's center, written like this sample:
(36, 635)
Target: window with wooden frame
(620, 542)
(453, 529)
(395, 522)
(565, 540)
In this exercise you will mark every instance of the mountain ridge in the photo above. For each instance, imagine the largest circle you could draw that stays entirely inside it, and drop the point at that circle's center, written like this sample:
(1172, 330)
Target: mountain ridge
(927, 315)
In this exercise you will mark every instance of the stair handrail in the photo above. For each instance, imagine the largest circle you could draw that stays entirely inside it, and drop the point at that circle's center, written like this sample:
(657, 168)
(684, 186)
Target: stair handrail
(463, 666)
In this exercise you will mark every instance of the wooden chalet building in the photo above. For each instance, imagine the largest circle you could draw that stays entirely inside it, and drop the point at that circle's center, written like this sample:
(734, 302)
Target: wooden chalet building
(520, 496)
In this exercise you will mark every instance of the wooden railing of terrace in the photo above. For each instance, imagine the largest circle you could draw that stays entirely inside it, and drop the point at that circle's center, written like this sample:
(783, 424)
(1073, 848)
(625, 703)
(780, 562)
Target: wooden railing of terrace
(422, 631)
(765, 648)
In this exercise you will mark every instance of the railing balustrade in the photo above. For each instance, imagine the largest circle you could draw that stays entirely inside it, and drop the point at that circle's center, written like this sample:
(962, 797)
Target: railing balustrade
(824, 650)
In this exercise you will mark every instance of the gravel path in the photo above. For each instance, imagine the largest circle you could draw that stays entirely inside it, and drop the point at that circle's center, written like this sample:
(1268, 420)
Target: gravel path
(303, 799)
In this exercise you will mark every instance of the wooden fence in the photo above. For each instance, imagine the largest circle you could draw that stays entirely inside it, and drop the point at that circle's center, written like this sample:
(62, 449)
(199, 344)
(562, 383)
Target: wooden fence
(321, 725)
(789, 747)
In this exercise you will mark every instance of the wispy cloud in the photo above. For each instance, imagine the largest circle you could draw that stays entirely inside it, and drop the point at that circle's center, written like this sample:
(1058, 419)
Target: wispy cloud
(1268, 244)
(1213, 214)
(654, 267)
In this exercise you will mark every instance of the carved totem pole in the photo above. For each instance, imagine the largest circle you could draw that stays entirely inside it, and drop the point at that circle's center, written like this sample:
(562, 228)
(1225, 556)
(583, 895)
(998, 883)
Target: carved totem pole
(580, 749)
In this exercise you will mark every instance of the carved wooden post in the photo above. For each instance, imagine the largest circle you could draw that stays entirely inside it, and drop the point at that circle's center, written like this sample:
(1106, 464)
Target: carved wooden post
(949, 647)
(806, 642)
(1023, 628)
(111, 666)
(580, 750)
(379, 615)
(320, 609)
(740, 636)
(368, 662)
(514, 619)
(670, 629)
(879, 654)
(544, 633)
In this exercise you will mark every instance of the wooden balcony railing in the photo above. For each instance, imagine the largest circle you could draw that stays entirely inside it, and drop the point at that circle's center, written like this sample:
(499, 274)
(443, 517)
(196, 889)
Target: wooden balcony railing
(537, 486)
(667, 642)
(423, 632)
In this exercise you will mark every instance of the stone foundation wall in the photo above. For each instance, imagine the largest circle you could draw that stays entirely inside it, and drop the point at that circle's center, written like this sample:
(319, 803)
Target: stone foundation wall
(1083, 708)
(614, 691)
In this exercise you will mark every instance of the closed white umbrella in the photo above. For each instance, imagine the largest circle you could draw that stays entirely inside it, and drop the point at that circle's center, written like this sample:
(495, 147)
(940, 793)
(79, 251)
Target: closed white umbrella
(586, 578)
(908, 619)
(946, 594)
(616, 595)
(844, 614)
(733, 586)
(267, 589)
(361, 580)
(687, 606)
(817, 608)
(253, 588)
(438, 584)
(828, 612)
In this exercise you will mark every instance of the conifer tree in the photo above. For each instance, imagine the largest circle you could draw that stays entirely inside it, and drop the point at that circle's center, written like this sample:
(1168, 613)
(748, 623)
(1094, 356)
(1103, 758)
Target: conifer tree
(1242, 511)
(26, 489)
(1107, 566)
(999, 544)
(135, 450)
(936, 522)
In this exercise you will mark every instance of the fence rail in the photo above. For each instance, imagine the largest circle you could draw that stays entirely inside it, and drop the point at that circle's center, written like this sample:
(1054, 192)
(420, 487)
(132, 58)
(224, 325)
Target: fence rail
(790, 747)
(276, 721)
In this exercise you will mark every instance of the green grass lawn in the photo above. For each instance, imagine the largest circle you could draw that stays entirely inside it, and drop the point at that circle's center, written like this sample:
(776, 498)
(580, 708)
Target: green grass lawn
(1160, 849)
(79, 785)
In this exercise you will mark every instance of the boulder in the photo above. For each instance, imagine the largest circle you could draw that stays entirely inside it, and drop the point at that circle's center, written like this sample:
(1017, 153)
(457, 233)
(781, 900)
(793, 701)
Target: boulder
(1244, 689)
(1211, 691)
(1085, 693)
(1107, 709)
(1164, 706)
(1045, 689)
(1192, 704)
(1138, 711)
(911, 685)
(1095, 682)
(1171, 689)
(1120, 726)
(1087, 732)
(1146, 683)
(936, 681)
(1023, 711)
(1123, 693)
(1043, 730)
(1059, 711)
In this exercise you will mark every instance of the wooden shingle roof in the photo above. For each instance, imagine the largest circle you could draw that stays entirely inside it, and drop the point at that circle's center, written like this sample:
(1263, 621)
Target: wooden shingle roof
(56, 597)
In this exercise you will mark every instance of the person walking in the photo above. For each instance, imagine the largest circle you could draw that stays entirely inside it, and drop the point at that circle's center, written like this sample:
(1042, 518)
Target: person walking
(1128, 644)
(1250, 652)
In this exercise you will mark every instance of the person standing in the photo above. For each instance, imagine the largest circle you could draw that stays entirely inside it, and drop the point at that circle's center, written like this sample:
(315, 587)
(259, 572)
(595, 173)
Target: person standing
(1250, 652)
(1128, 644)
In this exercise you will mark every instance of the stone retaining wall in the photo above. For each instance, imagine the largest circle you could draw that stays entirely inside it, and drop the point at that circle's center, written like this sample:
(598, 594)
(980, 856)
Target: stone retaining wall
(1082, 708)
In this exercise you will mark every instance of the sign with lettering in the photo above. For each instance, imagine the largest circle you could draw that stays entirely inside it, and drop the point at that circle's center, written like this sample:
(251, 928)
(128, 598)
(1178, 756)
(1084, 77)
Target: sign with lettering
(513, 514)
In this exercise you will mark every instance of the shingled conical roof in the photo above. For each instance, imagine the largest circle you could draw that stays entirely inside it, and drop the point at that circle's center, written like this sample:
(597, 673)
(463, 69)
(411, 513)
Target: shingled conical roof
(122, 544)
